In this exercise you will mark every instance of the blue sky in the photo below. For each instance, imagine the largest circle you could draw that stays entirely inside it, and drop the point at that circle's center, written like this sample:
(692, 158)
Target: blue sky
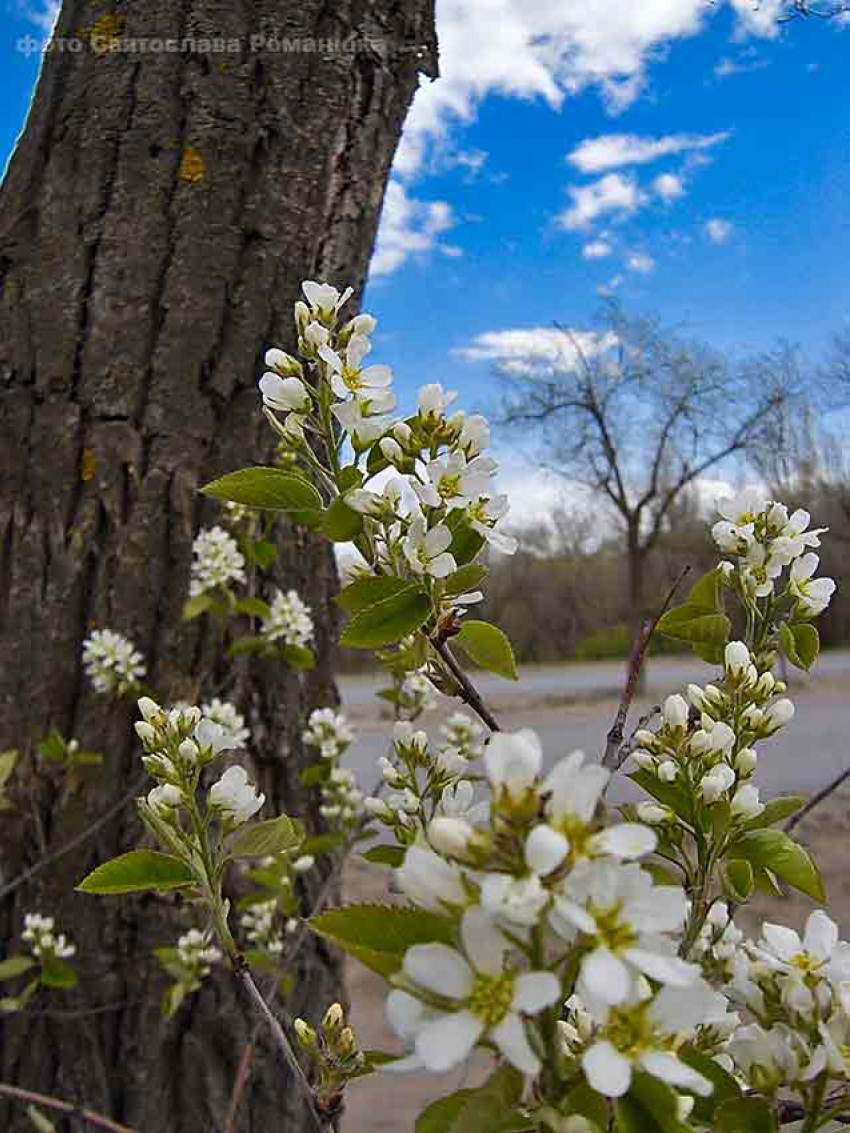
(719, 174)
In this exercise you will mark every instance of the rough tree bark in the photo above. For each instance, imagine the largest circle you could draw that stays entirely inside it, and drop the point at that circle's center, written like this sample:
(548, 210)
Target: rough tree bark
(156, 219)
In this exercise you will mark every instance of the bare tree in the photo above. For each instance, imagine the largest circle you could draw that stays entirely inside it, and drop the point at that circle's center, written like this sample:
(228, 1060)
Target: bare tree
(178, 176)
(638, 414)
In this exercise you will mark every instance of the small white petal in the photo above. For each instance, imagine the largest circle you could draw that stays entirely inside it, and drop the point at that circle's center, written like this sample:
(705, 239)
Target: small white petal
(669, 1069)
(511, 1039)
(606, 976)
(448, 1040)
(606, 1070)
(438, 968)
(535, 990)
(627, 840)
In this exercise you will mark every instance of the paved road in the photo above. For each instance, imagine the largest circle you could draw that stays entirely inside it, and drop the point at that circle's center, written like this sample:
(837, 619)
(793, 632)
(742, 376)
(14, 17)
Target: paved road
(573, 707)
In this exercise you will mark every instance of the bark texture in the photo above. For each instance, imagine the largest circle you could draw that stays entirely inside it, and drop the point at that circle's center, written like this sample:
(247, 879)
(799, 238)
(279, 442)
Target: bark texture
(155, 222)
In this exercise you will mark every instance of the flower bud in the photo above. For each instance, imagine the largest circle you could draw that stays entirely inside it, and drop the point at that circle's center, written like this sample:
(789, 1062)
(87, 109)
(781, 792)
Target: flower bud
(188, 751)
(347, 1042)
(736, 659)
(145, 732)
(644, 759)
(305, 1034)
(304, 863)
(333, 1018)
(392, 450)
(716, 782)
(653, 814)
(450, 836)
(745, 761)
(283, 363)
(667, 771)
(745, 803)
(403, 433)
(148, 708)
(644, 738)
(302, 315)
(778, 714)
(675, 711)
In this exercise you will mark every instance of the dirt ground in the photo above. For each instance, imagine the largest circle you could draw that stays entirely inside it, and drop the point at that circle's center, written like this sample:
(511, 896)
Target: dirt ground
(384, 1103)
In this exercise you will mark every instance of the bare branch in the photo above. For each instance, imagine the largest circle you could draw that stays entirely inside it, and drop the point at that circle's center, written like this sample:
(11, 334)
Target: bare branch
(613, 758)
(467, 692)
(88, 1115)
(816, 800)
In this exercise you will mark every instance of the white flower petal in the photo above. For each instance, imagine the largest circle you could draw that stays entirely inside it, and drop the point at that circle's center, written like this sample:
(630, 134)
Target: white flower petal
(669, 1069)
(449, 1040)
(483, 943)
(606, 976)
(438, 968)
(606, 1070)
(511, 1039)
(535, 990)
(545, 849)
(627, 840)
(782, 941)
(663, 969)
(821, 935)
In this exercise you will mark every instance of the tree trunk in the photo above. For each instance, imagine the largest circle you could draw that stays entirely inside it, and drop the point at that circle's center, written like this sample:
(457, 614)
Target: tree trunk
(158, 215)
(636, 556)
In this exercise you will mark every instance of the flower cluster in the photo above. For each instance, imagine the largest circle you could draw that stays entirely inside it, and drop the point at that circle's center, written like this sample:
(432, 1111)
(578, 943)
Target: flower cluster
(289, 620)
(112, 663)
(763, 540)
(342, 803)
(706, 745)
(217, 562)
(197, 953)
(45, 943)
(334, 1052)
(261, 924)
(229, 717)
(328, 732)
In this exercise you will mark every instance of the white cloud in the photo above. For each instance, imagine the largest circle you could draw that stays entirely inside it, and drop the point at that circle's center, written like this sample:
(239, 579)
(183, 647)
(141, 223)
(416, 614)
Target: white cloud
(725, 67)
(613, 193)
(43, 14)
(759, 19)
(718, 231)
(597, 250)
(668, 186)
(409, 227)
(549, 50)
(534, 350)
(606, 290)
(641, 263)
(613, 151)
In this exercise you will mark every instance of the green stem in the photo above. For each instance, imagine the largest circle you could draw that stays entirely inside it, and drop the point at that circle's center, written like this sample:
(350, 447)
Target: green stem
(814, 1106)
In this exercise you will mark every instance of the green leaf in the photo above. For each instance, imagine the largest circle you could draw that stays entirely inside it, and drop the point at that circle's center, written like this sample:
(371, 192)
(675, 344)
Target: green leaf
(389, 620)
(585, 1102)
(40, 1121)
(194, 607)
(15, 966)
(466, 541)
(253, 608)
(739, 879)
(668, 794)
(299, 657)
(52, 747)
(137, 871)
(800, 643)
(265, 838)
(725, 1087)
(775, 851)
(248, 644)
(262, 552)
(777, 810)
(746, 1115)
(368, 590)
(650, 1105)
(56, 973)
(171, 1000)
(705, 630)
(8, 759)
(442, 1115)
(323, 844)
(267, 488)
(349, 477)
(341, 523)
(316, 773)
(489, 648)
(385, 855)
(467, 578)
(379, 935)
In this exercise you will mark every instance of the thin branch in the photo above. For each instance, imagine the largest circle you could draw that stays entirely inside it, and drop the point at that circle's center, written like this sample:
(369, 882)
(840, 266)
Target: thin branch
(87, 1115)
(82, 837)
(246, 981)
(816, 800)
(613, 758)
(467, 692)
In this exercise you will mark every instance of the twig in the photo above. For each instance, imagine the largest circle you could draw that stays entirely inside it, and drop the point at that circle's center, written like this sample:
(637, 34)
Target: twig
(612, 757)
(467, 692)
(88, 1115)
(246, 981)
(815, 800)
(82, 837)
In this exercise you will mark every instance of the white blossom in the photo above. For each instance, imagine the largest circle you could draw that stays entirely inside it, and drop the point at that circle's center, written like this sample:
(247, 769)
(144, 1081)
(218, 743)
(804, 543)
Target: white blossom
(112, 662)
(286, 395)
(217, 561)
(433, 400)
(329, 732)
(227, 715)
(39, 932)
(427, 551)
(813, 594)
(289, 619)
(235, 797)
(347, 376)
